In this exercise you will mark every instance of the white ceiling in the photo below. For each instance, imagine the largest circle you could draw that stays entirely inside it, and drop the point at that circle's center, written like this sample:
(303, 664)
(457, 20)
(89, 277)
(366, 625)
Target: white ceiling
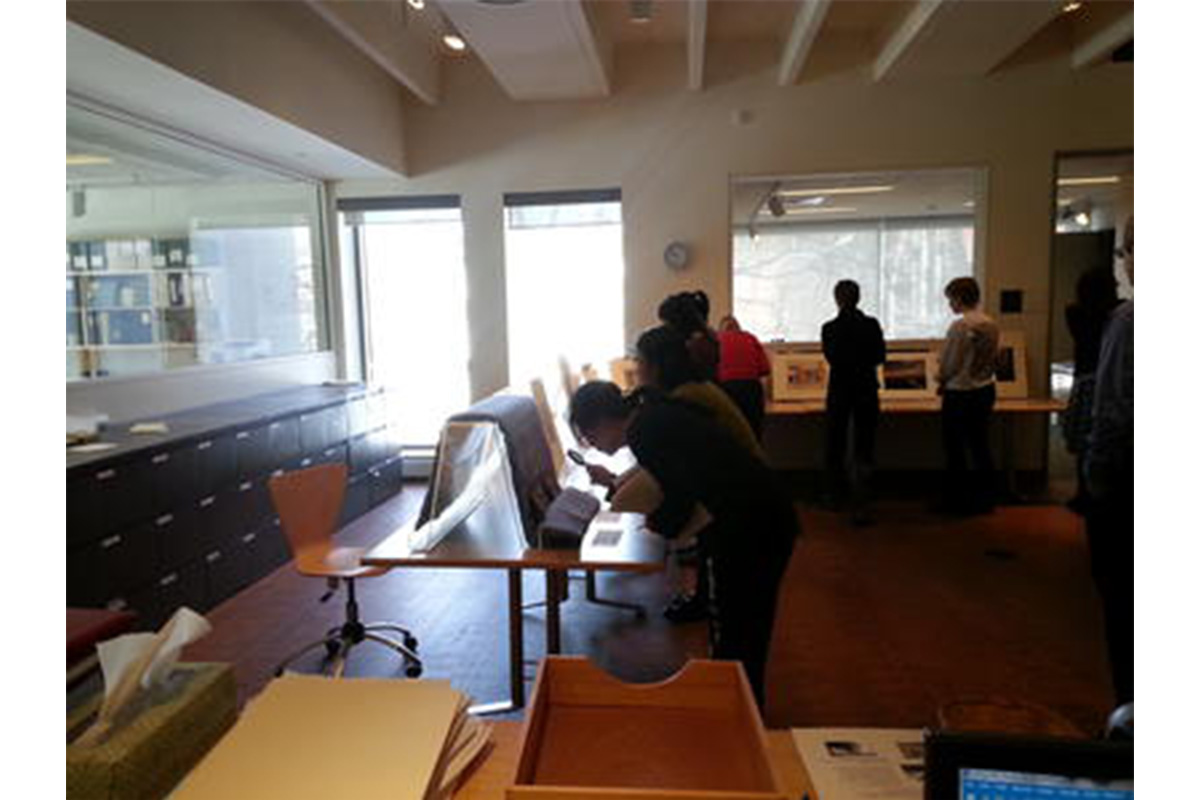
(108, 74)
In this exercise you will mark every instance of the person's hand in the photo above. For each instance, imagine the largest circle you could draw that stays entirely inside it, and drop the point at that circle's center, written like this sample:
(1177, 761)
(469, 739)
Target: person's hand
(601, 476)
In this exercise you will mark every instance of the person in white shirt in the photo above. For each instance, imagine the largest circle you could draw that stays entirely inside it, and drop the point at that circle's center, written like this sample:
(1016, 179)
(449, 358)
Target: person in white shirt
(967, 383)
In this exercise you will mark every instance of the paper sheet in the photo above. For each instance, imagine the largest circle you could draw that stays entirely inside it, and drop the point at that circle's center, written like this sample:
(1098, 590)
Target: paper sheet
(863, 763)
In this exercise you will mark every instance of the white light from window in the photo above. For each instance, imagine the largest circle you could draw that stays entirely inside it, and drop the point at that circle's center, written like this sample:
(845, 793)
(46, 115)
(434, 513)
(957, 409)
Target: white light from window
(794, 212)
(85, 160)
(1071, 6)
(418, 5)
(454, 42)
(837, 190)
(1097, 181)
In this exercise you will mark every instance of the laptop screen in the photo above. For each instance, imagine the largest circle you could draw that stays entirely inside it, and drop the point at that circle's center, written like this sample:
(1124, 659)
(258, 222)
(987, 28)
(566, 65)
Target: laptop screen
(991, 784)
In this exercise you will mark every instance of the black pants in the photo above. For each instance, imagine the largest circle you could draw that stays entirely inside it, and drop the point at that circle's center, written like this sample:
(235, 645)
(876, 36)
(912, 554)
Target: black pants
(748, 396)
(965, 416)
(841, 409)
(1110, 545)
(744, 586)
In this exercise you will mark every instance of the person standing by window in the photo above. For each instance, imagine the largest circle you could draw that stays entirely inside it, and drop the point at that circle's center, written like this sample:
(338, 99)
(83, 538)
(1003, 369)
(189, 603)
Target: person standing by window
(1095, 299)
(743, 366)
(1108, 467)
(687, 313)
(853, 346)
(967, 383)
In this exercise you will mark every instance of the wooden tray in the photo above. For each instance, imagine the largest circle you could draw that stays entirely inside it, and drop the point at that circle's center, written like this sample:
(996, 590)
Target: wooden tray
(695, 736)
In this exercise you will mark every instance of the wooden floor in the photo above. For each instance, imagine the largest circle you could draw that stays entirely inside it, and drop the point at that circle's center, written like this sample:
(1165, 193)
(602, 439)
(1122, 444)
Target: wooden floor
(876, 626)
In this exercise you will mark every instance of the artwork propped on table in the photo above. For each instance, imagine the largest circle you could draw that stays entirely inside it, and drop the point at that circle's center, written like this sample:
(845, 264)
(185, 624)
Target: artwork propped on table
(799, 376)
(909, 376)
(624, 373)
(1012, 374)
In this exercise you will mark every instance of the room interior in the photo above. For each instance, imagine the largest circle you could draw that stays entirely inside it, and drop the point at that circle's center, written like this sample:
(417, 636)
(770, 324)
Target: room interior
(310, 233)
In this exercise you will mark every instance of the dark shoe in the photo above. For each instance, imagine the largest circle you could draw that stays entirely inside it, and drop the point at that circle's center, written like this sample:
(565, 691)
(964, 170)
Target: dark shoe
(686, 608)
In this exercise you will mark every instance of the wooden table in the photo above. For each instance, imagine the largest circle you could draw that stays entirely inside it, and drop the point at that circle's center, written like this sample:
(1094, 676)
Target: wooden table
(613, 543)
(1006, 409)
(490, 778)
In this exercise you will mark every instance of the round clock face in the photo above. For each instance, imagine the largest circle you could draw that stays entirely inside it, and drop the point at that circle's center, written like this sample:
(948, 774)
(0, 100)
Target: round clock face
(676, 255)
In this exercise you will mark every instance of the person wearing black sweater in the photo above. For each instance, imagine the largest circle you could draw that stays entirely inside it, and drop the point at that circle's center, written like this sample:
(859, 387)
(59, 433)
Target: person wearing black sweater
(694, 461)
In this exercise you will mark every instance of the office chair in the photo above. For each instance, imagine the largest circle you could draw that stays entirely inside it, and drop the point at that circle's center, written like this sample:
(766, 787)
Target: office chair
(309, 502)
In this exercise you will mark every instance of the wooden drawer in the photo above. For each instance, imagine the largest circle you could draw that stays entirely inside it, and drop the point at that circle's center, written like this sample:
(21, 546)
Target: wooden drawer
(358, 498)
(362, 452)
(356, 417)
(180, 587)
(114, 566)
(283, 442)
(273, 546)
(386, 481)
(253, 452)
(106, 499)
(175, 539)
(321, 429)
(222, 573)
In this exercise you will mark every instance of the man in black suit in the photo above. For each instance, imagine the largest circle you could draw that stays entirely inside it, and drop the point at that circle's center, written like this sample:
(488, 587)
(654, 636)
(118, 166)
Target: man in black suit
(853, 346)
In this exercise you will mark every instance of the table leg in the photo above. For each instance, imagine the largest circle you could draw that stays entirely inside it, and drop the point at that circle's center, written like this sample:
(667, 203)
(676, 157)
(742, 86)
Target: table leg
(554, 580)
(516, 654)
(639, 611)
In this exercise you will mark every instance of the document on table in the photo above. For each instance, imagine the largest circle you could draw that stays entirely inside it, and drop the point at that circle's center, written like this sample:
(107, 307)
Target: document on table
(863, 763)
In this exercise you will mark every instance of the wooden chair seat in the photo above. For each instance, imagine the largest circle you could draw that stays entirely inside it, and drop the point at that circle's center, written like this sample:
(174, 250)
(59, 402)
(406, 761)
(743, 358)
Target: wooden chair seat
(335, 562)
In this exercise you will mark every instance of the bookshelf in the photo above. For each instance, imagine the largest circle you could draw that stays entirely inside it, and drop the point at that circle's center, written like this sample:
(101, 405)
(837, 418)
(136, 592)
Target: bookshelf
(136, 305)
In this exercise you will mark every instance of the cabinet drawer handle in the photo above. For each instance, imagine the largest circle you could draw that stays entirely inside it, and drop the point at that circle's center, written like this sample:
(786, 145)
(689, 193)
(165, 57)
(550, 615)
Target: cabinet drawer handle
(245, 487)
(207, 443)
(169, 579)
(306, 462)
(111, 541)
(331, 452)
(249, 537)
(161, 458)
(165, 519)
(243, 435)
(208, 501)
(106, 474)
(213, 557)
(277, 473)
(116, 604)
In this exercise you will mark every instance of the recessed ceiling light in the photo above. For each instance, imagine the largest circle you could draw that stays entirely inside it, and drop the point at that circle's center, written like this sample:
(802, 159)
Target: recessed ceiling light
(417, 4)
(969, 204)
(85, 160)
(1071, 6)
(1103, 179)
(454, 42)
(837, 190)
(640, 11)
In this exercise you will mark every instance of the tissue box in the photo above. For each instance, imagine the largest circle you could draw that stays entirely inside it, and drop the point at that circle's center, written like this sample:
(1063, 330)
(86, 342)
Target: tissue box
(146, 756)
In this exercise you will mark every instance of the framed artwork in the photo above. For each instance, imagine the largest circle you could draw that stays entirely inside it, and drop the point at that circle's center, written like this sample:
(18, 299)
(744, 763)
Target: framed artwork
(799, 376)
(624, 373)
(1012, 369)
(909, 375)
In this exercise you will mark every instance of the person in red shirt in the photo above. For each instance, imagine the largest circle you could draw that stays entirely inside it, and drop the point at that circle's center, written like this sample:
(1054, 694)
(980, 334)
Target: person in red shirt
(741, 371)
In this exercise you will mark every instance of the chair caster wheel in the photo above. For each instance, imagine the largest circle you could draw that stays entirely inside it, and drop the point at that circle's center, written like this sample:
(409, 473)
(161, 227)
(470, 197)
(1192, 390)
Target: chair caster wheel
(410, 642)
(413, 671)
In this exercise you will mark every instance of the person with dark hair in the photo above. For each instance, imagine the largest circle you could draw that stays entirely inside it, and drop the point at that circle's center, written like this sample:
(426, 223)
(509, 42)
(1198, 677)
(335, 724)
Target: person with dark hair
(1108, 466)
(853, 346)
(744, 365)
(967, 382)
(695, 461)
(664, 365)
(687, 312)
(1095, 299)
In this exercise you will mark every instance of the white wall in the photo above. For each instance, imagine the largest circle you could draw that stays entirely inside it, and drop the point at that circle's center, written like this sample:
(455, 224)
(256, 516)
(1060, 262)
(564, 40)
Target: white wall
(673, 153)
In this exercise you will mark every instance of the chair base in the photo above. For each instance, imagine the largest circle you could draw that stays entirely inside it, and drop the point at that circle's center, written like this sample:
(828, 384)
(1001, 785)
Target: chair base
(339, 640)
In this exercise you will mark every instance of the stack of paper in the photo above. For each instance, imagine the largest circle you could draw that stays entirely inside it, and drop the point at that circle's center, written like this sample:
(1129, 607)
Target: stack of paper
(860, 763)
(314, 737)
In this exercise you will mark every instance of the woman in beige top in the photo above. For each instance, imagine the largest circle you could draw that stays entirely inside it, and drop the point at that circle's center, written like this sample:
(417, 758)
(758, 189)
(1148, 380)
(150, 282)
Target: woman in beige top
(967, 383)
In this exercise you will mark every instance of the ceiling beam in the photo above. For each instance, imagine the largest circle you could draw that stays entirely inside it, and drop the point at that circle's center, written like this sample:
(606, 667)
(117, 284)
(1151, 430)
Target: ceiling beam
(914, 26)
(697, 27)
(404, 47)
(1101, 44)
(805, 27)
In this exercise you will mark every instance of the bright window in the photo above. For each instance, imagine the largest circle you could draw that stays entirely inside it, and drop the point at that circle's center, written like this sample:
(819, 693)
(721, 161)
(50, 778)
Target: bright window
(565, 281)
(901, 236)
(414, 306)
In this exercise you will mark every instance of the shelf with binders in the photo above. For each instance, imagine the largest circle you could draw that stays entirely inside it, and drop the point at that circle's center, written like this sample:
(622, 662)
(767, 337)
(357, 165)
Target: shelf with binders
(184, 252)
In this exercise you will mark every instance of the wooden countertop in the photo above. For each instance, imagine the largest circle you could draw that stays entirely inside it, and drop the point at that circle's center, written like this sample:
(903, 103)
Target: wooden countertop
(494, 774)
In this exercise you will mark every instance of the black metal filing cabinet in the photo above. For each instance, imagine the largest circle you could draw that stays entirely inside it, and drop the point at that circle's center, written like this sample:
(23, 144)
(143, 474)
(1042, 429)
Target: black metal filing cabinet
(187, 519)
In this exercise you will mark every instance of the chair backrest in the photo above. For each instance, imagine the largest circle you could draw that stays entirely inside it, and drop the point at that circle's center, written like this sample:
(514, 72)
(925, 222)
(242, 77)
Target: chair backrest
(309, 502)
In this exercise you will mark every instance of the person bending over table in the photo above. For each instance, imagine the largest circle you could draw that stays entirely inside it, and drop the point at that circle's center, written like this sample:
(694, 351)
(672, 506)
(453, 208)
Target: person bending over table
(695, 460)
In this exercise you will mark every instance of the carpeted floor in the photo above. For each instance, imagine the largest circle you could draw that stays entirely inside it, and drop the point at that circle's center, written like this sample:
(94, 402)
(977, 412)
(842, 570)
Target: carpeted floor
(877, 626)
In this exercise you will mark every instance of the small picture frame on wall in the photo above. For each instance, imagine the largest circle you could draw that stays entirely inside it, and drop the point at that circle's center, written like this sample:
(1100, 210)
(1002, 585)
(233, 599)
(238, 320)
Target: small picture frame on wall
(908, 375)
(799, 376)
(624, 373)
(1012, 369)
